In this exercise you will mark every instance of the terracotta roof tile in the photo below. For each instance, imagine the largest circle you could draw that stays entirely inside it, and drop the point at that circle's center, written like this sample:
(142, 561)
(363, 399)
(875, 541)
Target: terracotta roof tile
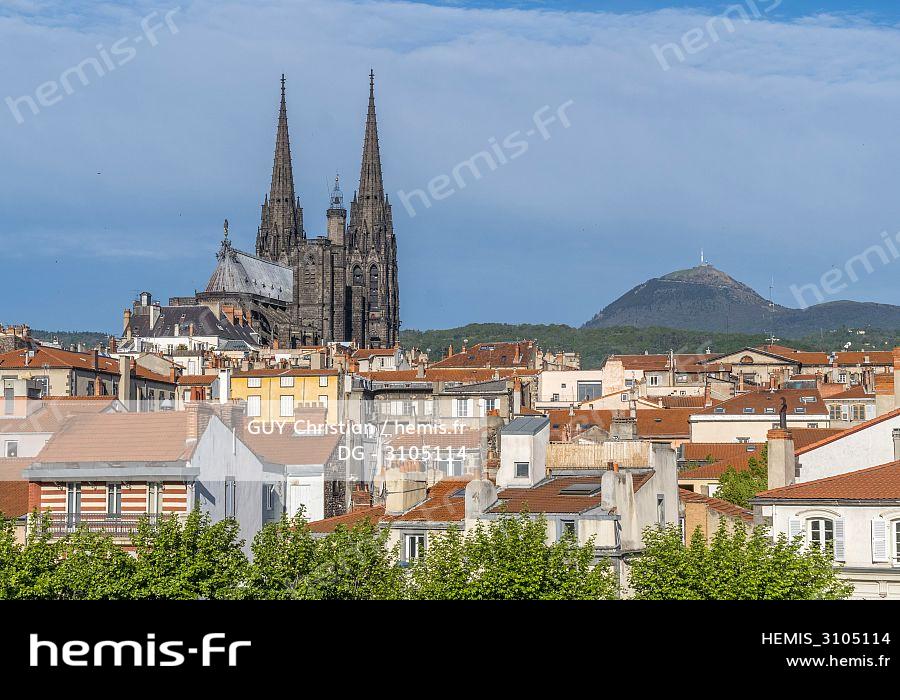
(57, 359)
(717, 504)
(197, 379)
(651, 423)
(502, 354)
(872, 484)
(546, 496)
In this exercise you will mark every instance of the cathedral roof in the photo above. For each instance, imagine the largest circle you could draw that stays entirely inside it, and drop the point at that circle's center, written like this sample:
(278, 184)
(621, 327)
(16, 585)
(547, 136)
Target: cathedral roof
(202, 318)
(242, 273)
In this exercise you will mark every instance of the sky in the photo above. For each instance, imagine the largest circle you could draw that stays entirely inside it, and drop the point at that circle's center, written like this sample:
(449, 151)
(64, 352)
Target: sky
(767, 137)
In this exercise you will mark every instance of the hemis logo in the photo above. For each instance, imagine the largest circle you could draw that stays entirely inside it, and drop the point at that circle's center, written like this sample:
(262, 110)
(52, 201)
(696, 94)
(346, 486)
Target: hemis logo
(132, 653)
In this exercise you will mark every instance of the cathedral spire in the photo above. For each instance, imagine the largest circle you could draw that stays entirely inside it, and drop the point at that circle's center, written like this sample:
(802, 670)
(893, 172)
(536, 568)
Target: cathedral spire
(282, 219)
(371, 189)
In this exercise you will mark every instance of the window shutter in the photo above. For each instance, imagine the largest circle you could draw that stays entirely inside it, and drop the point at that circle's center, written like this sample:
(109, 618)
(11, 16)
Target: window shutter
(795, 528)
(454, 408)
(482, 409)
(470, 411)
(839, 554)
(879, 540)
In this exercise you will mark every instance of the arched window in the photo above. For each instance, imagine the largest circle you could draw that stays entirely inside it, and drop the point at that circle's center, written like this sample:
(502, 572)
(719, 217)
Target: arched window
(357, 276)
(373, 285)
(820, 532)
(746, 360)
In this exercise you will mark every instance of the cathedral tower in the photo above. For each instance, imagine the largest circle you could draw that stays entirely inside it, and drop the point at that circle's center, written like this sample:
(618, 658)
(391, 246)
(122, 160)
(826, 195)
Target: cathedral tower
(281, 223)
(372, 249)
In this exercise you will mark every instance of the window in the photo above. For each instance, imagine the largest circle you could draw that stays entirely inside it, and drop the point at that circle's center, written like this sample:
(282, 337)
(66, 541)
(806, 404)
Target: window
(12, 448)
(654, 380)
(554, 397)
(624, 397)
(522, 470)
(896, 542)
(661, 509)
(415, 546)
(842, 378)
(287, 381)
(800, 409)
(567, 528)
(820, 532)
(254, 406)
(114, 499)
(812, 425)
(287, 405)
(718, 409)
(230, 492)
(749, 409)
(323, 381)
(834, 411)
(357, 276)
(563, 386)
(254, 382)
(490, 404)
(858, 411)
(73, 498)
(462, 408)
(269, 493)
(323, 401)
(154, 498)
(769, 409)
(373, 286)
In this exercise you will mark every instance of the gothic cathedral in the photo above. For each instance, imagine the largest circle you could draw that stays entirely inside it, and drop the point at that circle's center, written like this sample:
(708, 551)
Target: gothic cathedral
(301, 290)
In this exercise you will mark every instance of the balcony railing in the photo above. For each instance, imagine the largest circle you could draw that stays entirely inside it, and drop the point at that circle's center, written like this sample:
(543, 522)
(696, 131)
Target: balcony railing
(117, 526)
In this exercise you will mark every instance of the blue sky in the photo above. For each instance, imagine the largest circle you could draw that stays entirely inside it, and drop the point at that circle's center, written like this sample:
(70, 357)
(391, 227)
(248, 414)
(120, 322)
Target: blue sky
(772, 144)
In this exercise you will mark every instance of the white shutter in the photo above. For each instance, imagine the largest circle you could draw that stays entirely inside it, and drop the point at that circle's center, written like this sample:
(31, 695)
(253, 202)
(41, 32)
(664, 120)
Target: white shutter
(482, 411)
(879, 540)
(795, 528)
(454, 408)
(470, 407)
(839, 548)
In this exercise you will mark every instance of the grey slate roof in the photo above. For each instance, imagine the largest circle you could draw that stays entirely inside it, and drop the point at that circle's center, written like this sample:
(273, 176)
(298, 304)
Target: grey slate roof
(203, 318)
(525, 425)
(241, 273)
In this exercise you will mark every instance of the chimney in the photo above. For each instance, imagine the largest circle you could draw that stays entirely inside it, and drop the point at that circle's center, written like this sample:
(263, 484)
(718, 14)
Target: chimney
(782, 461)
(125, 381)
(450, 351)
(895, 433)
(225, 385)
(404, 490)
(481, 494)
(197, 415)
(94, 359)
(420, 369)
(126, 324)
(517, 396)
(112, 346)
(623, 427)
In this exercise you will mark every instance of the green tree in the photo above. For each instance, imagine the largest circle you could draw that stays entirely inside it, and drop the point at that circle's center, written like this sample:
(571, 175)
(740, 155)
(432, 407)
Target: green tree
(191, 558)
(29, 568)
(738, 564)
(509, 559)
(284, 556)
(91, 566)
(739, 487)
(356, 564)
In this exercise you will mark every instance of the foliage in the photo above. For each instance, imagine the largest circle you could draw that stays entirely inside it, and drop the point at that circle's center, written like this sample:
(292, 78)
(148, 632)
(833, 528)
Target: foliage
(284, 556)
(191, 558)
(356, 564)
(738, 564)
(509, 559)
(739, 487)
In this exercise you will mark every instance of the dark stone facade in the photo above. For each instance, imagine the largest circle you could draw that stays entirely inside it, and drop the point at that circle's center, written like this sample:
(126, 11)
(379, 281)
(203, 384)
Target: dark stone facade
(343, 285)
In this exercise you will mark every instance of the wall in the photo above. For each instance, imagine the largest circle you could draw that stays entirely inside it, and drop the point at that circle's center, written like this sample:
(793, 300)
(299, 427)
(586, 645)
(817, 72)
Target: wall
(725, 428)
(869, 447)
(306, 389)
(872, 580)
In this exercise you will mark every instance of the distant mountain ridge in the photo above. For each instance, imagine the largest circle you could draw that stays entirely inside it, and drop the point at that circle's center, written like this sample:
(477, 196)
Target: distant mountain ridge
(705, 298)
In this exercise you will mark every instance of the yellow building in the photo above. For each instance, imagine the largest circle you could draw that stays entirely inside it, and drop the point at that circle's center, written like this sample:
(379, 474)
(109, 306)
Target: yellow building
(277, 394)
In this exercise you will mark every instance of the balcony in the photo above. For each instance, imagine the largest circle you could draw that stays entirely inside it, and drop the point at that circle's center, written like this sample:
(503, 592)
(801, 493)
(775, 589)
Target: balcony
(116, 526)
